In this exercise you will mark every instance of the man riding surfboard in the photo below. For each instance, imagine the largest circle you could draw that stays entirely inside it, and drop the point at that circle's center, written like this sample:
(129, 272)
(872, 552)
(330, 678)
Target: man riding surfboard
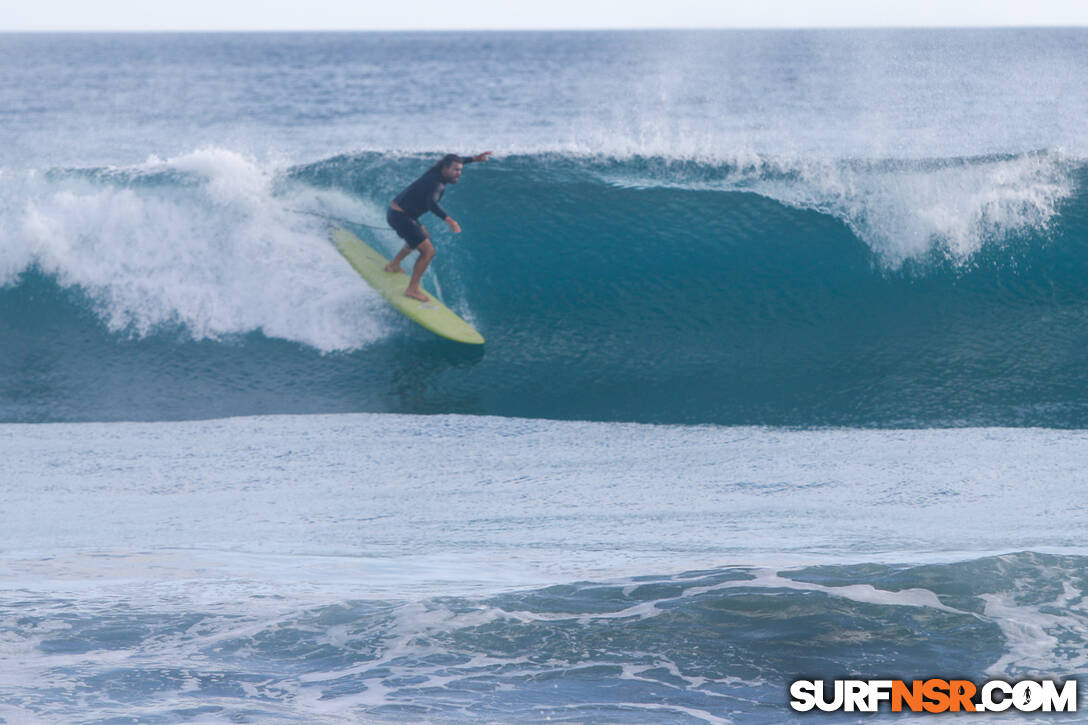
(420, 197)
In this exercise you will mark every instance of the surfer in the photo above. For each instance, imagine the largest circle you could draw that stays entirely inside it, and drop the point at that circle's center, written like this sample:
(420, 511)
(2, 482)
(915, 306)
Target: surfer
(420, 197)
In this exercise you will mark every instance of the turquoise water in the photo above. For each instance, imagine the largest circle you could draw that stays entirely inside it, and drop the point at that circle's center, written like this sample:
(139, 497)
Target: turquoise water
(642, 290)
(784, 374)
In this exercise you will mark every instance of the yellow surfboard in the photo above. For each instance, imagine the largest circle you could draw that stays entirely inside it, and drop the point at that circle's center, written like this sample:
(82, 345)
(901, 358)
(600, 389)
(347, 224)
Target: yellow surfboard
(433, 315)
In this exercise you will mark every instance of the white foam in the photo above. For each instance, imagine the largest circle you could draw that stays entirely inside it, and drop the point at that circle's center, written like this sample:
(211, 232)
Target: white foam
(221, 255)
(412, 509)
(1042, 637)
(905, 209)
(495, 503)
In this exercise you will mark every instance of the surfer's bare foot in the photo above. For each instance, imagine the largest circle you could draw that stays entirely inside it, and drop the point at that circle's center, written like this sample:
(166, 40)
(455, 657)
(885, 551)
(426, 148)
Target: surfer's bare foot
(416, 295)
(393, 268)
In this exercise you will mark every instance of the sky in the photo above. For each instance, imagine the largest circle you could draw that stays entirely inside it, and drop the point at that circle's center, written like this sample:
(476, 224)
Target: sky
(134, 15)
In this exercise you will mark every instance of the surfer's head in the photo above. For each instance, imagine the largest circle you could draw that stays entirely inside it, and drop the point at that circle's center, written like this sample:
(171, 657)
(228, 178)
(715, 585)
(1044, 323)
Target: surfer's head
(450, 168)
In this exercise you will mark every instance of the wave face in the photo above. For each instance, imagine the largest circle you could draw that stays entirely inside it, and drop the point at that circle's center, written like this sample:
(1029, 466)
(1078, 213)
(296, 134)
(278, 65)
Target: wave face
(759, 290)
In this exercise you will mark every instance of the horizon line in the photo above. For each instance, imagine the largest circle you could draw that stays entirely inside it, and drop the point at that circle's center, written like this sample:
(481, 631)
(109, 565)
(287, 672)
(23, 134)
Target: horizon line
(91, 31)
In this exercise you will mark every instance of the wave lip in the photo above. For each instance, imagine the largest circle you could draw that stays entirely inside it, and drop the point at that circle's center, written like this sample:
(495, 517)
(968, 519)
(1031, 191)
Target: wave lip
(902, 209)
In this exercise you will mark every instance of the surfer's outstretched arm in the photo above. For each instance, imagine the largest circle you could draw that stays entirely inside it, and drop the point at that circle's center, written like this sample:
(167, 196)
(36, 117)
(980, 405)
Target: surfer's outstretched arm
(432, 204)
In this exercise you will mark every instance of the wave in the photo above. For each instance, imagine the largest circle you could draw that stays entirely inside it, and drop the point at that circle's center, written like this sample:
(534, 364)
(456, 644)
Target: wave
(807, 285)
(708, 646)
(199, 242)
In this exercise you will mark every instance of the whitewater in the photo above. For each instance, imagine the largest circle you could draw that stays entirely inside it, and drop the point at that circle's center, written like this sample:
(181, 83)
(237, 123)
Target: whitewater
(785, 373)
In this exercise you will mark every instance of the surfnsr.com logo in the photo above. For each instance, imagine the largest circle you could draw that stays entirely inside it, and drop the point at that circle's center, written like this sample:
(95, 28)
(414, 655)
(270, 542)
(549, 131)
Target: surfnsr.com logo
(933, 695)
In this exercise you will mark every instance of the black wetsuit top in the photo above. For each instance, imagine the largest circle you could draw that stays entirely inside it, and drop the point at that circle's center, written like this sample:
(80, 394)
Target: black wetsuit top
(422, 195)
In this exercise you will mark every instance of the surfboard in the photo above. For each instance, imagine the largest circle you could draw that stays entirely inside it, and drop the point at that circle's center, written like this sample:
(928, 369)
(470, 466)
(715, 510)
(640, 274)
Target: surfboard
(433, 315)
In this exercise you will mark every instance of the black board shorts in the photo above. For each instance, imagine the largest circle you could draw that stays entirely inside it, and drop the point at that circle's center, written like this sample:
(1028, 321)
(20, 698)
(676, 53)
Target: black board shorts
(407, 228)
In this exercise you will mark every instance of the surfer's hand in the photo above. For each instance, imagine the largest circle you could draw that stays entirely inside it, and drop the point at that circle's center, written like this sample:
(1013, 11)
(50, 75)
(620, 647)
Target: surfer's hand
(454, 226)
(481, 157)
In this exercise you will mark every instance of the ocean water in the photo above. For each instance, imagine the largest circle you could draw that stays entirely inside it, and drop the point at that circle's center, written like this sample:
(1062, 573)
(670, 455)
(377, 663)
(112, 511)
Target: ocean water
(785, 373)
